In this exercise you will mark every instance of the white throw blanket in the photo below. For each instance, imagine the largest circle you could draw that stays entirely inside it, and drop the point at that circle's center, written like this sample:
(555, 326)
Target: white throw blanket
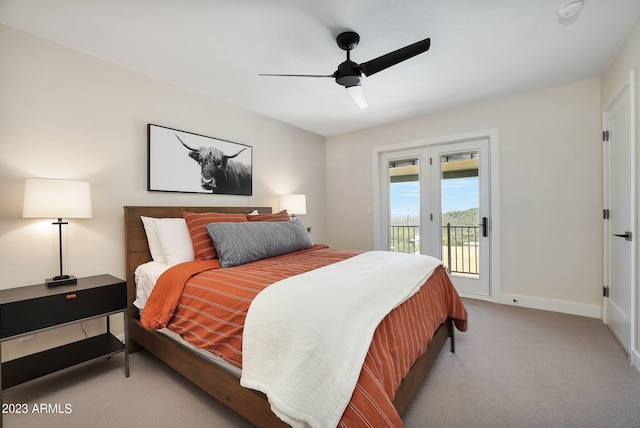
(306, 337)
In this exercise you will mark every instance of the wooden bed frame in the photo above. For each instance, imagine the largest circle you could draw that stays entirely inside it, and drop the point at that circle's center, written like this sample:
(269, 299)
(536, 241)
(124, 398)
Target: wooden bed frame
(216, 381)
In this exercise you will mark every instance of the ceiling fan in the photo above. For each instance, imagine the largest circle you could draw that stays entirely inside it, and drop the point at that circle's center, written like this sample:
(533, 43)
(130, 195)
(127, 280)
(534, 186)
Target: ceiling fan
(349, 74)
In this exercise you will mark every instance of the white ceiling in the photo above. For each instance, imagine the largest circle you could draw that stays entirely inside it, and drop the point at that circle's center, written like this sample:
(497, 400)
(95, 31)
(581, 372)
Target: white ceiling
(480, 50)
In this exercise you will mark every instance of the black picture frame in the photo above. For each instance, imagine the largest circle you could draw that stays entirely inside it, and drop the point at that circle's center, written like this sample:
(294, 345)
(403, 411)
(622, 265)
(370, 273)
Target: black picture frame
(180, 161)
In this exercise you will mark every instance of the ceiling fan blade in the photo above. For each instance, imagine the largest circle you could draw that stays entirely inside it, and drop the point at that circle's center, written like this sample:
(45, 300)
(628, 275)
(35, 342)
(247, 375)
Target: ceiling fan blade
(297, 75)
(392, 58)
(357, 94)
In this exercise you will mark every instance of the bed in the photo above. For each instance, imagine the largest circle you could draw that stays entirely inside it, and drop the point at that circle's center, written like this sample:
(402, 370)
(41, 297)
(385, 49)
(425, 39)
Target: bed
(221, 383)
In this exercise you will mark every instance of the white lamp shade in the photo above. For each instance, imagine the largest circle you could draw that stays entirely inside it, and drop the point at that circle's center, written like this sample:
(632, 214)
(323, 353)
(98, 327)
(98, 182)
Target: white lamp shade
(52, 198)
(294, 204)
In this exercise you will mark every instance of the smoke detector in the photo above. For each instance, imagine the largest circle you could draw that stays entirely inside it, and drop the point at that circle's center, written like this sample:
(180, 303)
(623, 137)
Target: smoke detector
(570, 9)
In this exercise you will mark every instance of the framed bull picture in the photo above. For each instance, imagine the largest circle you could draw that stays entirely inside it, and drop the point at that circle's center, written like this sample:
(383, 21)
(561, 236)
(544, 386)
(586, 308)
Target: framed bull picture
(180, 161)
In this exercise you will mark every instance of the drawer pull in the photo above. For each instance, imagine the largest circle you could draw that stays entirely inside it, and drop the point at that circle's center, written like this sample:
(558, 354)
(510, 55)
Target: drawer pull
(71, 296)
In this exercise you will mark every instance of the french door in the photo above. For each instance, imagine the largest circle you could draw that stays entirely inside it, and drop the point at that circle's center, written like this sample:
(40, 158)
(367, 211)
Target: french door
(435, 200)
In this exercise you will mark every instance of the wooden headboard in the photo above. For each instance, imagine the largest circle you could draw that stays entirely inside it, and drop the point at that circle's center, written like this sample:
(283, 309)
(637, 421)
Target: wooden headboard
(136, 247)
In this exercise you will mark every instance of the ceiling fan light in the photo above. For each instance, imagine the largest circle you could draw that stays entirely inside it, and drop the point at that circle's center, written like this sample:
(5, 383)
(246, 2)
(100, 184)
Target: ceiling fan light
(357, 94)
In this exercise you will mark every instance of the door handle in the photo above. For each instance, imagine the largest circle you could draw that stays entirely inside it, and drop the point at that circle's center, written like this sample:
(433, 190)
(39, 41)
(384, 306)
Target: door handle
(485, 226)
(627, 235)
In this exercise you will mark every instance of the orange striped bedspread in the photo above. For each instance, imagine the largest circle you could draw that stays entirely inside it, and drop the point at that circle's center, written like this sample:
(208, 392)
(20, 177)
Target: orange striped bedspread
(207, 306)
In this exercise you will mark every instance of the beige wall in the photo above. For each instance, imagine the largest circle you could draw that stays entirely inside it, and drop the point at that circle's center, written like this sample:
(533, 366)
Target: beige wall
(64, 114)
(550, 185)
(627, 59)
(617, 75)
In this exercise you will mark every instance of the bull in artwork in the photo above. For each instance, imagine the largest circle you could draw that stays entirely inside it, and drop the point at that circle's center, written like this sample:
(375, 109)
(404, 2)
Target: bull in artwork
(219, 172)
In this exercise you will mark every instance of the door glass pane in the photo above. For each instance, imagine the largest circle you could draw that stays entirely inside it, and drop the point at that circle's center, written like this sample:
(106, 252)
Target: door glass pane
(404, 205)
(460, 213)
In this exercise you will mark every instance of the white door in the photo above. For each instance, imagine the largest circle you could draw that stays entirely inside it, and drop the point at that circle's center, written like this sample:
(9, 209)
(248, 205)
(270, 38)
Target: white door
(460, 189)
(405, 192)
(619, 229)
(435, 201)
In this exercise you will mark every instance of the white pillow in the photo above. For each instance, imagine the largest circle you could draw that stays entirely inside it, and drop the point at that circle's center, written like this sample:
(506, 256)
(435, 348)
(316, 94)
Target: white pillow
(175, 240)
(146, 275)
(155, 247)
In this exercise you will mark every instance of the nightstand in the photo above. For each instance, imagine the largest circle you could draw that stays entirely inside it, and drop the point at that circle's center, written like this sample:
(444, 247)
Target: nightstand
(36, 308)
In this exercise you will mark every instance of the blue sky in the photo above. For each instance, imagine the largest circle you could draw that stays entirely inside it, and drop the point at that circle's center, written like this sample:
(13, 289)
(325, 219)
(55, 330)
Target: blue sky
(458, 194)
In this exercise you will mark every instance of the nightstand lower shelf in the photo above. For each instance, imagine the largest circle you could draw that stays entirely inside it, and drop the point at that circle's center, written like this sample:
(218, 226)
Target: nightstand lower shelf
(36, 366)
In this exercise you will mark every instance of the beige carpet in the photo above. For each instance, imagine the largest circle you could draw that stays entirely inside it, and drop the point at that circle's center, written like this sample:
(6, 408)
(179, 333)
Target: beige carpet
(515, 367)
(518, 367)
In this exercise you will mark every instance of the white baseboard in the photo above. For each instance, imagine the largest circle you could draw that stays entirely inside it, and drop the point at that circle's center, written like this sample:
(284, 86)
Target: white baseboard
(573, 308)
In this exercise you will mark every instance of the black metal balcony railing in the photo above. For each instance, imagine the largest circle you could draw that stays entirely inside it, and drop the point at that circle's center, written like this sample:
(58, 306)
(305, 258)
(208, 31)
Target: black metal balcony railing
(459, 245)
(405, 239)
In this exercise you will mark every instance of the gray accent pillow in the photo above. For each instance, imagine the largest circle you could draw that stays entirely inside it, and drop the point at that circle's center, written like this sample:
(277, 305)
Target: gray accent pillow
(240, 243)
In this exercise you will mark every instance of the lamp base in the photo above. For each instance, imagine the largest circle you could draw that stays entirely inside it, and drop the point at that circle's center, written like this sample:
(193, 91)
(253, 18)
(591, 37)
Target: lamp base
(61, 280)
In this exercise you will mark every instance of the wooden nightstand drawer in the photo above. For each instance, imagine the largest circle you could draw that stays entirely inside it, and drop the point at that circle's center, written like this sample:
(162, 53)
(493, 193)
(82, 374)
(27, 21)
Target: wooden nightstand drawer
(30, 315)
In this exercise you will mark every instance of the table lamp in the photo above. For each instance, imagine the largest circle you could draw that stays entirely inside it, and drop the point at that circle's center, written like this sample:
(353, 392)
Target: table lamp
(294, 204)
(53, 198)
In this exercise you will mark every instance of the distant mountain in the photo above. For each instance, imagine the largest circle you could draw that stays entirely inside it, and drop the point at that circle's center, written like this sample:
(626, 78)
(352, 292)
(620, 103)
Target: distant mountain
(468, 217)
(405, 220)
(456, 218)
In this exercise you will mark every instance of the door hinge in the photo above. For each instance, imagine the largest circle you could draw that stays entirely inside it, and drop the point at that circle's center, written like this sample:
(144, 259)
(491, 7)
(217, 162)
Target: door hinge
(605, 214)
(430, 161)
(431, 217)
(605, 135)
(605, 291)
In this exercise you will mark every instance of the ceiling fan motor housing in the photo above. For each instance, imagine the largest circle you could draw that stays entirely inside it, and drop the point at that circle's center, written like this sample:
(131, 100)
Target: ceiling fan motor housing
(348, 74)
